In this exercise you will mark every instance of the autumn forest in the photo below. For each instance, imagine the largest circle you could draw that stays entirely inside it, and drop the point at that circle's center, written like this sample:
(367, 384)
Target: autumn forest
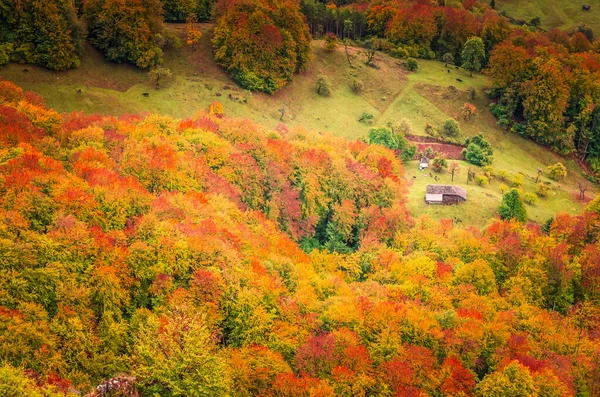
(212, 255)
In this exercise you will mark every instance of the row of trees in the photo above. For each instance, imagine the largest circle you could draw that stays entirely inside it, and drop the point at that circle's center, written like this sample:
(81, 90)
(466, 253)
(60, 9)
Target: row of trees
(411, 28)
(161, 256)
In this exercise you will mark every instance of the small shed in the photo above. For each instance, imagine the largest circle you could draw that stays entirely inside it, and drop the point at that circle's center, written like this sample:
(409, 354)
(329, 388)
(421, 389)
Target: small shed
(424, 163)
(445, 194)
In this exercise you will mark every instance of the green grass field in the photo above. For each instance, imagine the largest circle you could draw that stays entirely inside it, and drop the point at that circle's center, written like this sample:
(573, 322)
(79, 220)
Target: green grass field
(428, 96)
(563, 14)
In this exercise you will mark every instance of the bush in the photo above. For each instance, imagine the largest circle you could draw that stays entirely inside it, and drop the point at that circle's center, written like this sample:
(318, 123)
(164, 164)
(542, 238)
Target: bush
(264, 53)
(542, 189)
(439, 163)
(530, 198)
(401, 52)
(503, 175)
(159, 75)
(323, 85)
(451, 128)
(412, 64)
(482, 180)
(5, 51)
(366, 118)
(503, 188)
(517, 181)
(557, 171)
(403, 126)
(468, 111)
(356, 86)
(478, 151)
(331, 42)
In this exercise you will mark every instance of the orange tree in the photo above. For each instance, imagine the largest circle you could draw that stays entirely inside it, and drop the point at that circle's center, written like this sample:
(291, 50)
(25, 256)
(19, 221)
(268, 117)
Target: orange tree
(261, 42)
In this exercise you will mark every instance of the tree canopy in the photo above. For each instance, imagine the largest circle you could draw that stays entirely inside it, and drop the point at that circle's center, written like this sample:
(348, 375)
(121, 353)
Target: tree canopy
(261, 42)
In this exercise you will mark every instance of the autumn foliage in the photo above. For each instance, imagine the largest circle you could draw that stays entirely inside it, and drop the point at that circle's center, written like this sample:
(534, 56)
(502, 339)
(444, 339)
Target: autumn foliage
(261, 42)
(212, 256)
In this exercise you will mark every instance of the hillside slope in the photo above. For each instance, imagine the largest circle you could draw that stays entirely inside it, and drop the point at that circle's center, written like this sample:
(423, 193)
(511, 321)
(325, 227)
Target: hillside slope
(426, 97)
(160, 256)
(562, 14)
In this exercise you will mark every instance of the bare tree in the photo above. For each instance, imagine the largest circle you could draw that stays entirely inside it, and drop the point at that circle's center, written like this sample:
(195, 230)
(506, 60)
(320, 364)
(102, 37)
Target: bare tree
(539, 174)
(454, 168)
(583, 186)
(346, 43)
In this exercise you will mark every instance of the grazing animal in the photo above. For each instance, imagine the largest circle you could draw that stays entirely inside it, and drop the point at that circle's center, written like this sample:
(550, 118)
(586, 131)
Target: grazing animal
(146, 94)
(448, 70)
(459, 80)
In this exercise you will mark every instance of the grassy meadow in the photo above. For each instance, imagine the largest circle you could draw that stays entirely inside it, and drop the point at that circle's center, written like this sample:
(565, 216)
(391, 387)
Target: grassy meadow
(427, 96)
(562, 14)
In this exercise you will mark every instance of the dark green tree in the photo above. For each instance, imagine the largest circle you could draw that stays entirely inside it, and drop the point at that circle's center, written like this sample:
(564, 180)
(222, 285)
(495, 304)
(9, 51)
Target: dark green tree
(473, 55)
(512, 207)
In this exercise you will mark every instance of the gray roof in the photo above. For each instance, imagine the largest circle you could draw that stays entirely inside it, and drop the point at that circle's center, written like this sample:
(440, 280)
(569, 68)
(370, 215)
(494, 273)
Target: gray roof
(447, 189)
(424, 160)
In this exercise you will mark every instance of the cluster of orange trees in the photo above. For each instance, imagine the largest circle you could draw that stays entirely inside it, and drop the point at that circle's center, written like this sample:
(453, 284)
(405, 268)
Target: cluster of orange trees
(212, 257)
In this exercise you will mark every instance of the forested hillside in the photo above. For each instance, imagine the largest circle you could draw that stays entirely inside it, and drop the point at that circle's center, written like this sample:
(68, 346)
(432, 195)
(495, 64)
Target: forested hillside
(187, 257)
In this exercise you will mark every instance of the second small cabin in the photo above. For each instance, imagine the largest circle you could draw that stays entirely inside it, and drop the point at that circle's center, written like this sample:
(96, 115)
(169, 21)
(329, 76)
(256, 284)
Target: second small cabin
(424, 163)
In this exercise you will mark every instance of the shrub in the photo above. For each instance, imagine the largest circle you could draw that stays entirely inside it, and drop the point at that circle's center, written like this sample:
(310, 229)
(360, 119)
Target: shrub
(439, 163)
(356, 86)
(478, 151)
(403, 126)
(489, 171)
(366, 118)
(412, 64)
(451, 128)
(557, 171)
(323, 85)
(542, 189)
(159, 75)
(530, 198)
(261, 43)
(331, 42)
(503, 175)
(5, 51)
(503, 188)
(401, 52)
(482, 180)
(468, 111)
(517, 181)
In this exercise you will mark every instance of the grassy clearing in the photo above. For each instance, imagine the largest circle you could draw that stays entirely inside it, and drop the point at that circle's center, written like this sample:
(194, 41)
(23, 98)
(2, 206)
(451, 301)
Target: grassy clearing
(563, 14)
(427, 96)
(482, 201)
